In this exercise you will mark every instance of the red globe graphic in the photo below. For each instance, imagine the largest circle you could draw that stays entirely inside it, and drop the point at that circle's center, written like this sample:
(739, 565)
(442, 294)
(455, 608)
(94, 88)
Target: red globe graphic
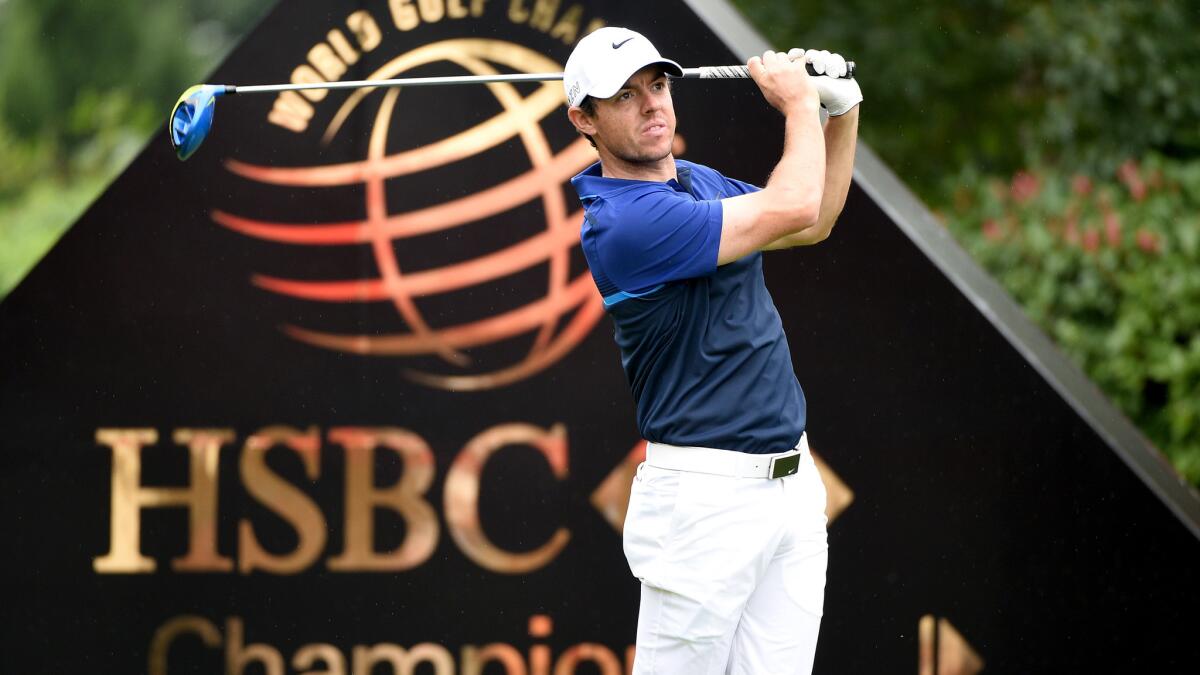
(557, 320)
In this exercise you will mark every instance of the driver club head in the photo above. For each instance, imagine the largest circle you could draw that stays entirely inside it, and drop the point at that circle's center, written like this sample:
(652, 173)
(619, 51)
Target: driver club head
(192, 118)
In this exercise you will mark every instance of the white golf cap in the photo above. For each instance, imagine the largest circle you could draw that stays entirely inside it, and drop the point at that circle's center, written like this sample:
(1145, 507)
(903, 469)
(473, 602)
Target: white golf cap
(604, 60)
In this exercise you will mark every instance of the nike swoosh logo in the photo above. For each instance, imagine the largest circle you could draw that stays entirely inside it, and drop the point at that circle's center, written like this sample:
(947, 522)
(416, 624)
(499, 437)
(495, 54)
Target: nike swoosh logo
(617, 45)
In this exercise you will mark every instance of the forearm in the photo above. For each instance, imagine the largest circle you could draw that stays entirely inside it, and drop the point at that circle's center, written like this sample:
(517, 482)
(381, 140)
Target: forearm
(791, 200)
(798, 182)
(841, 138)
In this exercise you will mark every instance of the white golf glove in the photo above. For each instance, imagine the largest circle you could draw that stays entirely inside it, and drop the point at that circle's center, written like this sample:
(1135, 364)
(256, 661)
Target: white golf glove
(838, 96)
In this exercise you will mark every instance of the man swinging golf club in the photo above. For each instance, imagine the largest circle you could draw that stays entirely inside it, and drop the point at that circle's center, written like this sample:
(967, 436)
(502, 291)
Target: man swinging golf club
(726, 523)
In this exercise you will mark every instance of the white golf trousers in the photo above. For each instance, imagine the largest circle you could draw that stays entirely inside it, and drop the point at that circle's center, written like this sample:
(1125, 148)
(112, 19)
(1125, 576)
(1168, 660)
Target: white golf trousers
(732, 571)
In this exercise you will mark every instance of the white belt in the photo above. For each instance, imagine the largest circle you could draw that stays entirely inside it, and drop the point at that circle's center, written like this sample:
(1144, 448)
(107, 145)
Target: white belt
(726, 462)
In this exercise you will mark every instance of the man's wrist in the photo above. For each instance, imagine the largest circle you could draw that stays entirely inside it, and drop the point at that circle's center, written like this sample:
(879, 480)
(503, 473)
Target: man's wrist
(804, 107)
(847, 117)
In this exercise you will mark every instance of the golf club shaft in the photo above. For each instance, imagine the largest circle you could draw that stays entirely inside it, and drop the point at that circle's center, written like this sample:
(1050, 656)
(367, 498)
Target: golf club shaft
(702, 73)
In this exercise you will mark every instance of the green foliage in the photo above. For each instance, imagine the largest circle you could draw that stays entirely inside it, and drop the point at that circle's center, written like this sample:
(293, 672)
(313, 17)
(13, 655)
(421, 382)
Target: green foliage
(53, 52)
(999, 84)
(1111, 270)
(1117, 78)
(33, 221)
(82, 85)
(932, 76)
(42, 193)
(983, 89)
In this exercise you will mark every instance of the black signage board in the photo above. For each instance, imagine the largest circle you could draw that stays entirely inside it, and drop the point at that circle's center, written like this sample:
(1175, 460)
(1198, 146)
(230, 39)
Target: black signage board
(337, 395)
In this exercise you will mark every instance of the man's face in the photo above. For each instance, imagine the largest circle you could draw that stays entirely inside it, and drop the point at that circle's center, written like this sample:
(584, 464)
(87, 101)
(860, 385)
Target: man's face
(637, 124)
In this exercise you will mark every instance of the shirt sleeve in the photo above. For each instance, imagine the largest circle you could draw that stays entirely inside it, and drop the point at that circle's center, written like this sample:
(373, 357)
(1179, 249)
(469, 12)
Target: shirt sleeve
(736, 187)
(659, 236)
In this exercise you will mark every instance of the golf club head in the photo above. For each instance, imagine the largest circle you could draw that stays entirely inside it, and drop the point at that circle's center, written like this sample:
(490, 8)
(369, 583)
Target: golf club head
(192, 118)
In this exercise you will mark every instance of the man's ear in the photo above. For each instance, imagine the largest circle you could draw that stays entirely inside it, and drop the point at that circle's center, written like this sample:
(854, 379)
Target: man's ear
(581, 120)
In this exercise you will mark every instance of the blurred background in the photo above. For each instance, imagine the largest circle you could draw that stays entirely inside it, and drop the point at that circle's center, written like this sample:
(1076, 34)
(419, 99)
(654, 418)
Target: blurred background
(1057, 140)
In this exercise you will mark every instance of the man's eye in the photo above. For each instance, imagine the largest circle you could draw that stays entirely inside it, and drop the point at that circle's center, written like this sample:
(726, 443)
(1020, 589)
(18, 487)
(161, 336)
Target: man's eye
(625, 96)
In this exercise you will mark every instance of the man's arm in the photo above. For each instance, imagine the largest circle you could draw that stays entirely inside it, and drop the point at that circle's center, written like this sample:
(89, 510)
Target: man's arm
(791, 201)
(841, 137)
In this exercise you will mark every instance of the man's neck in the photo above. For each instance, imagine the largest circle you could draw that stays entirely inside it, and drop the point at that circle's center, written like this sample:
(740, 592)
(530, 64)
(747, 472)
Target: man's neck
(660, 171)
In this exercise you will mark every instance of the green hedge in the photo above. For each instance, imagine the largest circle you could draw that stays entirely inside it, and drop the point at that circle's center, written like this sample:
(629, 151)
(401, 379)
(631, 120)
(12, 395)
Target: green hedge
(1110, 268)
(975, 91)
(1000, 84)
(82, 85)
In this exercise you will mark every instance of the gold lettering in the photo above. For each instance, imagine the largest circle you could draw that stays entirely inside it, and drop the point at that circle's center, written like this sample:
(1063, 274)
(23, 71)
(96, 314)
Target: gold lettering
(540, 626)
(517, 11)
(291, 112)
(594, 25)
(238, 656)
(323, 58)
(335, 663)
(362, 497)
(404, 15)
(160, 645)
(342, 46)
(455, 9)
(477, 7)
(543, 14)
(432, 11)
(539, 660)
(204, 448)
(283, 498)
(567, 28)
(461, 495)
(365, 30)
(474, 659)
(307, 75)
(600, 655)
(403, 662)
(124, 551)
(129, 498)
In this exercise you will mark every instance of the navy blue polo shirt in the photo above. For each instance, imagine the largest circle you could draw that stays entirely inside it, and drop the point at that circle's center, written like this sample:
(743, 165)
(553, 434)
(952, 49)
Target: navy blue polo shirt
(702, 346)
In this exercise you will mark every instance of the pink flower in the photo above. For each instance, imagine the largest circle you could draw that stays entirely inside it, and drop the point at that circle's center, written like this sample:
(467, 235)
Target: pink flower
(1128, 171)
(991, 230)
(1129, 175)
(1081, 185)
(1147, 241)
(1024, 187)
(1091, 240)
(1112, 229)
(1071, 233)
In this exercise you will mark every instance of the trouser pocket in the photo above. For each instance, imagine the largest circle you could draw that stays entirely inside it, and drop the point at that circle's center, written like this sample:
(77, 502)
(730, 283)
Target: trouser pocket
(652, 503)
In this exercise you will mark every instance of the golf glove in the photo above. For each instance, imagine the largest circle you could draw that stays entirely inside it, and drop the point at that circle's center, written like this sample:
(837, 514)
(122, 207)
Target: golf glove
(837, 96)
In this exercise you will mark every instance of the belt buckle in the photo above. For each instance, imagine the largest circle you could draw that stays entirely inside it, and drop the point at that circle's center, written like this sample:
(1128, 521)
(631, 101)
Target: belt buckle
(784, 465)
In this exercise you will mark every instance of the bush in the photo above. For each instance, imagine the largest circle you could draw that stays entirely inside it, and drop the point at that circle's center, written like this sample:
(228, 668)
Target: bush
(74, 109)
(1110, 268)
(1107, 266)
(1116, 78)
(1002, 84)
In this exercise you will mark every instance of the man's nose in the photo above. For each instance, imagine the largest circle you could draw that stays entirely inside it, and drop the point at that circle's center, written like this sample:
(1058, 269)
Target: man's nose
(650, 102)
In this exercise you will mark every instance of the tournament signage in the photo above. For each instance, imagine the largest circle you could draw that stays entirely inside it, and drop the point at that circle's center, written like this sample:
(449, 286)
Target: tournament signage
(337, 395)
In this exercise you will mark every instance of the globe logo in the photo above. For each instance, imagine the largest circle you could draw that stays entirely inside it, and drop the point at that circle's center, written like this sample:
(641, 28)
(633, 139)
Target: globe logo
(538, 331)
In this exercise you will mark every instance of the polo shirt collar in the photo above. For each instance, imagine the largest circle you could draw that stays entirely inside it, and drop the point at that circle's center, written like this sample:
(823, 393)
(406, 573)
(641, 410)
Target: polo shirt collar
(592, 184)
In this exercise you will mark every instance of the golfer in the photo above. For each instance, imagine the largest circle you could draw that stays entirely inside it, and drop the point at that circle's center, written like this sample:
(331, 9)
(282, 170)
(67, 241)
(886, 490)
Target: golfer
(726, 522)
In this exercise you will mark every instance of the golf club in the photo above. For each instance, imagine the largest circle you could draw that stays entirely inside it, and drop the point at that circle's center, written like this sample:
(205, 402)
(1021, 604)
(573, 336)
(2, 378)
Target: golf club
(192, 116)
